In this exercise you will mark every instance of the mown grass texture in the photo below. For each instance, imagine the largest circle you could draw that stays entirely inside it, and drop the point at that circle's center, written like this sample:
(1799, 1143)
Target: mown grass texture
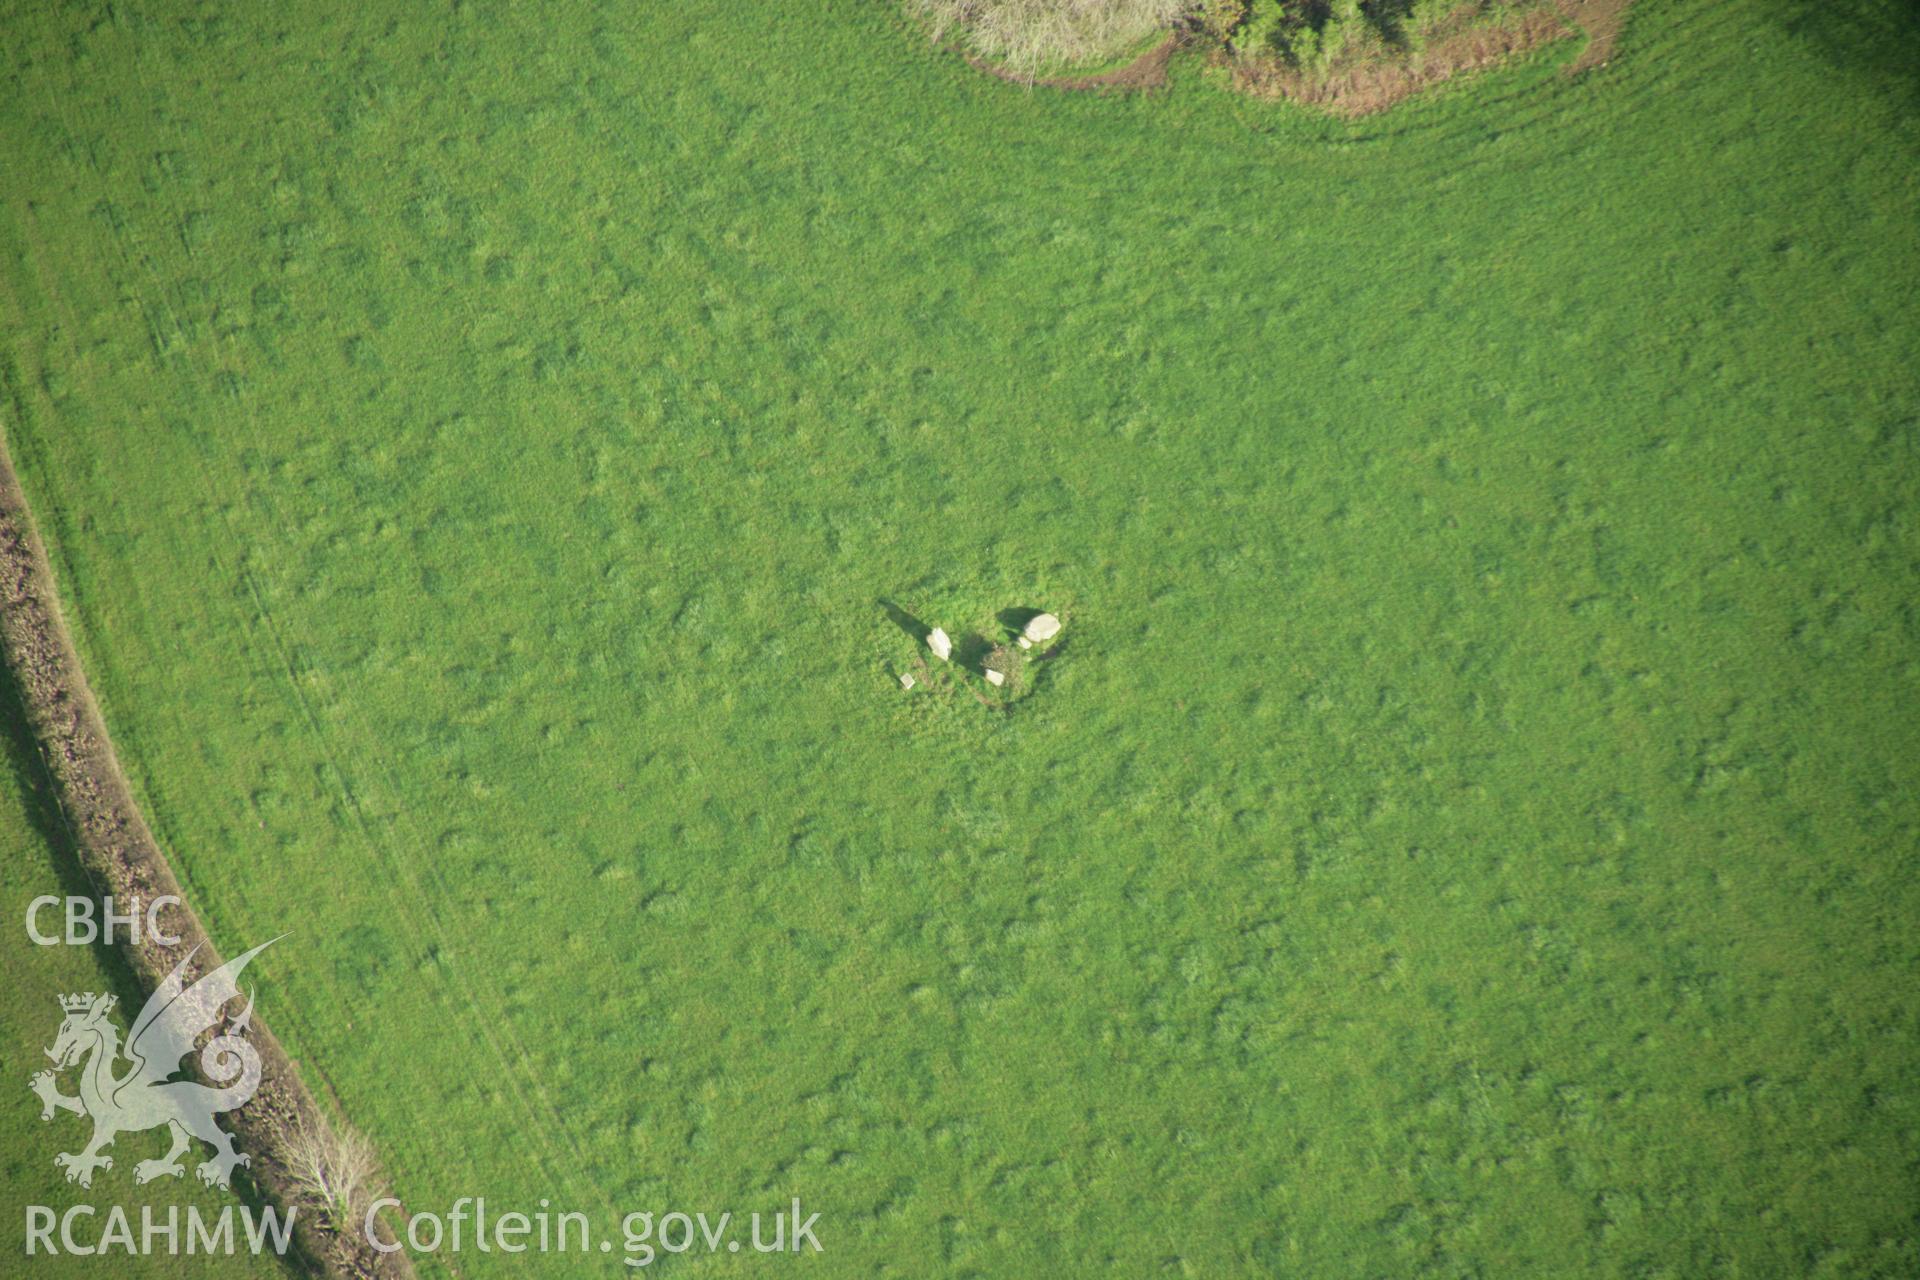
(1470, 830)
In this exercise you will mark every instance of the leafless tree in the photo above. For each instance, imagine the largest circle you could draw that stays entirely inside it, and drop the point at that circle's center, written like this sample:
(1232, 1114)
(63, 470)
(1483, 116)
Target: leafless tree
(333, 1165)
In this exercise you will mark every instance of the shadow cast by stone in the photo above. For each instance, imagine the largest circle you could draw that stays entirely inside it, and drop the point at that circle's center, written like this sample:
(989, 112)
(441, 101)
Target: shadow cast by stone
(1016, 620)
(971, 650)
(916, 630)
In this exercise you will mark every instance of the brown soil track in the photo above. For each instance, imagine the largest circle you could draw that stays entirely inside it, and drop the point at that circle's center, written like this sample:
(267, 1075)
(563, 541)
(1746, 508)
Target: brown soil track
(1148, 71)
(1374, 84)
(118, 852)
(1378, 83)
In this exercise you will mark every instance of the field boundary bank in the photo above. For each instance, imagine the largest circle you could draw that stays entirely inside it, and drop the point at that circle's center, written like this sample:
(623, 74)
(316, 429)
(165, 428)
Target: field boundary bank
(116, 849)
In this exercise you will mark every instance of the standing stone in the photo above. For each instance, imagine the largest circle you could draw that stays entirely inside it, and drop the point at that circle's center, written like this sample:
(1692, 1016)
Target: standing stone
(938, 642)
(1041, 629)
(995, 677)
(906, 681)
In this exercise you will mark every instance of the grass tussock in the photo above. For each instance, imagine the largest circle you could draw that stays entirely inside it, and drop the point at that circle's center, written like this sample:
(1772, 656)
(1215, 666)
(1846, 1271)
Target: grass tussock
(1029, 36)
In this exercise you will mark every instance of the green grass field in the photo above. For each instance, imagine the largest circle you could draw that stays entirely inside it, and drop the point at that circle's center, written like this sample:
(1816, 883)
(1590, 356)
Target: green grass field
(1471, 830)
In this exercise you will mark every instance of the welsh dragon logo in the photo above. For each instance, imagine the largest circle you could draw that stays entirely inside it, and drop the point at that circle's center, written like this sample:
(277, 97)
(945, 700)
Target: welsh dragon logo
(145, 1096)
